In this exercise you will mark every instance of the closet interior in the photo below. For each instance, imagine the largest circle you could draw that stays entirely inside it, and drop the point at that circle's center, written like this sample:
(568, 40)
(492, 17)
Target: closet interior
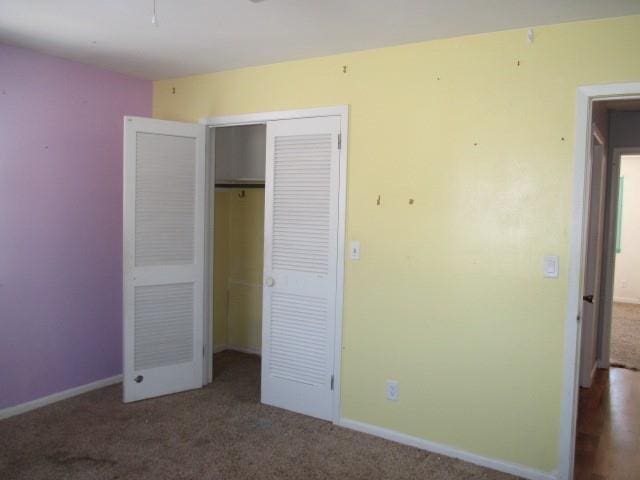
(238, 233)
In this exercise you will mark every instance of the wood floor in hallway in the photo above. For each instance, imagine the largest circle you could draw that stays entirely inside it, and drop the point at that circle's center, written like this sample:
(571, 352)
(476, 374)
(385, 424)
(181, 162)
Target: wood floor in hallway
(608, 439)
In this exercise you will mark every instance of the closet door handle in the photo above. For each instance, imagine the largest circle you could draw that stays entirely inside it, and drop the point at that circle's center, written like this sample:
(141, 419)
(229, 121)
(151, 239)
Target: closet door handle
(270, 281)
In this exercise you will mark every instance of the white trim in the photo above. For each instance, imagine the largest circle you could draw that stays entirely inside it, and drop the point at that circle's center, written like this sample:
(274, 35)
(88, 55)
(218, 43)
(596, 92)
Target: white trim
(342, 234)
(633, 301)
(569, 405)
(448, 451)
(341, 111)
(236, 348)
(56, 397)
(263, 117)
(209, 215)
(250, 351)
(219, 348)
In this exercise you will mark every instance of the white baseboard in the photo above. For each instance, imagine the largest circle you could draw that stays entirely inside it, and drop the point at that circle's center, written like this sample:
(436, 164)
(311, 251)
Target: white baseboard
(634, 301)
(251, 351)
(56, 397)
(219, 348)
(500, 465)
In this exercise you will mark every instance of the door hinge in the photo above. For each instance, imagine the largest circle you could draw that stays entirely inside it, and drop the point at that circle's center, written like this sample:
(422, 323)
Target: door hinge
(339, 141)
(332, 383)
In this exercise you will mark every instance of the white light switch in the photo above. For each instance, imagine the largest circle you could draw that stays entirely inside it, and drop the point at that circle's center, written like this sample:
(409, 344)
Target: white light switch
(393, 390)
(355, 250)
(551, 266)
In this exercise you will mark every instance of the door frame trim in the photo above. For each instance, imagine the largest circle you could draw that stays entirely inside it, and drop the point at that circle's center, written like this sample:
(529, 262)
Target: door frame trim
(569, 403)
(341, 111)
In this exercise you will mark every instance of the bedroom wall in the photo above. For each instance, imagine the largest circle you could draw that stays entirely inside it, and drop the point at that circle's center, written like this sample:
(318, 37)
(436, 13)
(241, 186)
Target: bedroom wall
(60, 221)
(446, 299)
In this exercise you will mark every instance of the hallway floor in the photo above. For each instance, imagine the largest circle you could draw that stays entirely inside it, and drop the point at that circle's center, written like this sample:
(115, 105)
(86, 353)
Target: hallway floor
(608, 441)
(219, 432)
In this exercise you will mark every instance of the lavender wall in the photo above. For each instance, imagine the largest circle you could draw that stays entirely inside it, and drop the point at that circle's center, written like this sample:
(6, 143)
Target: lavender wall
(60, 221)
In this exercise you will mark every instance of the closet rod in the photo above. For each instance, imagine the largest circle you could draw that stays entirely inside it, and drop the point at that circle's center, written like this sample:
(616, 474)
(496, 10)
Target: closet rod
(239, 185)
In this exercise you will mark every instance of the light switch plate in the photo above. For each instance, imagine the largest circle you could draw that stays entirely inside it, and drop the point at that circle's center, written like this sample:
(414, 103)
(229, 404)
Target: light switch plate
(551, 266)
(355, 250)
(393, 390)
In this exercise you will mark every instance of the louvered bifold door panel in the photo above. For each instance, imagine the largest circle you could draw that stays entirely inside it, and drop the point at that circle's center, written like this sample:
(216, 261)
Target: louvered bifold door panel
(165, 199)
(164, 181)
(301, 205)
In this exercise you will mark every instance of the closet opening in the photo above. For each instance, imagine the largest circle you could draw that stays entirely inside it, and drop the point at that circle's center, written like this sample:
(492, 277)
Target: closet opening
(238, 154)
(274, 257)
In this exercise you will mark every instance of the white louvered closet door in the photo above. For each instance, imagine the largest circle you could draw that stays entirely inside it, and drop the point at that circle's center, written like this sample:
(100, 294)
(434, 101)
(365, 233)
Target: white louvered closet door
(300, 257)
(164, 231)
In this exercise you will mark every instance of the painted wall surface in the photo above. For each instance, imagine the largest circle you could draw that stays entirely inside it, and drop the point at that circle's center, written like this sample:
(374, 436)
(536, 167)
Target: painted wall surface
(60, 221)
(626, 285)
(449, 296)
(238, 262)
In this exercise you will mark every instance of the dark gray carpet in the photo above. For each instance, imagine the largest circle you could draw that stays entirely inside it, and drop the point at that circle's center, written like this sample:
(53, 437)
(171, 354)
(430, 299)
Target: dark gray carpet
(218, 432)
(625, 336)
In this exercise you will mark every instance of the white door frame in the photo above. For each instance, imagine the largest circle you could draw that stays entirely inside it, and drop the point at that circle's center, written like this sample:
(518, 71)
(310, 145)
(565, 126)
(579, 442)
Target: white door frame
(341, 111)
(609, 260)
(569, 403)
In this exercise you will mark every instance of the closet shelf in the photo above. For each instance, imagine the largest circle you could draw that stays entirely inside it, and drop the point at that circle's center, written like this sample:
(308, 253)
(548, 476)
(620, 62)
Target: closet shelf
(240, 184)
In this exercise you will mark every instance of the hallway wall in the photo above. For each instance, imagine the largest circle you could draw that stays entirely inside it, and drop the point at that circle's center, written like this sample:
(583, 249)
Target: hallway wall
(626, 286)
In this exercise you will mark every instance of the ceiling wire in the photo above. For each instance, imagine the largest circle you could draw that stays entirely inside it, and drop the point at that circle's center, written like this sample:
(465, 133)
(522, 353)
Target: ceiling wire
(154, 19)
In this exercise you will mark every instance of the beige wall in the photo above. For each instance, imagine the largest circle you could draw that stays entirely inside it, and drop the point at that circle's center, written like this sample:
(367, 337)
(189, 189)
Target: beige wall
(627, 274)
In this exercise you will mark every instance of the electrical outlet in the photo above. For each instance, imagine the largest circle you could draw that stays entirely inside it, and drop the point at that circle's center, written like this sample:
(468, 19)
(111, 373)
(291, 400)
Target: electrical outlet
(393, 390)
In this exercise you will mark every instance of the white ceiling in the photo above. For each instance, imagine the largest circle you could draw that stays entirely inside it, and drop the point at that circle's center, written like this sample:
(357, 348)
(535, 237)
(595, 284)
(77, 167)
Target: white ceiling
(198, 36)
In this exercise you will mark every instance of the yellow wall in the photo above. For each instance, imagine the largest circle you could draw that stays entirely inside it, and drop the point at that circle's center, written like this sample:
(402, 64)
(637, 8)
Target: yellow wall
(449, 296)
(238, 259)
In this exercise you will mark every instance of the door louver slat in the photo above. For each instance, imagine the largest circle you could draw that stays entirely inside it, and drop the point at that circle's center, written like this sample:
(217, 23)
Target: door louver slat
(301, 244)
(296, 213)
(165, 200)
